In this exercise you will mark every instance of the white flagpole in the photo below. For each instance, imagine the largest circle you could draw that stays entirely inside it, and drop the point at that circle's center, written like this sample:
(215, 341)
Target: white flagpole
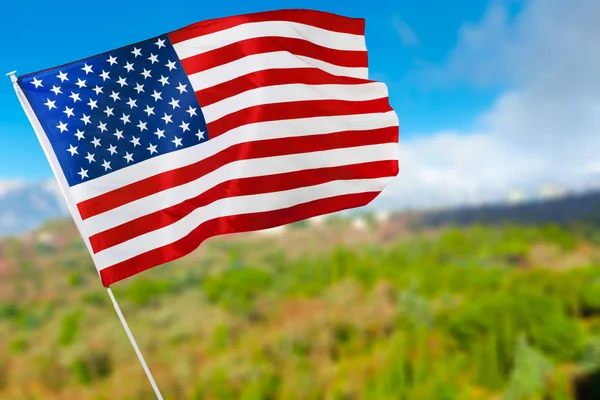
(134, 343)
(33, 120)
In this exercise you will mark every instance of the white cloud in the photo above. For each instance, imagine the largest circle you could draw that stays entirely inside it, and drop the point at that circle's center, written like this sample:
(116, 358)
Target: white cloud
(407, 35)
(545, 128)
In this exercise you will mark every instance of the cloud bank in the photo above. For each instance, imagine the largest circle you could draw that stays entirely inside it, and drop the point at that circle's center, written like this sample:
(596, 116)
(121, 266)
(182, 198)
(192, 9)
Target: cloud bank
(543, 129)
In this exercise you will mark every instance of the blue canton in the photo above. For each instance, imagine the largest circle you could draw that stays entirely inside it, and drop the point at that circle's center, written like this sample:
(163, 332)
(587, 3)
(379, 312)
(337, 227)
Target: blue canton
(117, 109)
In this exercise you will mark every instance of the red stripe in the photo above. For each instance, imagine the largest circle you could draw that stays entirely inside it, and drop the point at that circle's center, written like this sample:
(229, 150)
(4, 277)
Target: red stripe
(295, 110)
(319, 19)
(298, 47)
(240, 187)
(272, 77)
(242, 151)
(231, 224)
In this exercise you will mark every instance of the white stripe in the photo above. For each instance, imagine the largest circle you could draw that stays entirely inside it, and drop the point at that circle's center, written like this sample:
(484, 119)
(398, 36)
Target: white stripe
(52, 160)
(294, 92)
(233, 206)
(245, 133)
(236, 170)
(264, 61)
(319, 36)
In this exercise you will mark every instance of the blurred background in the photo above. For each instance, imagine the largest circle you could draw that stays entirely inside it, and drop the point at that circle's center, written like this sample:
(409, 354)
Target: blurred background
(473, 276)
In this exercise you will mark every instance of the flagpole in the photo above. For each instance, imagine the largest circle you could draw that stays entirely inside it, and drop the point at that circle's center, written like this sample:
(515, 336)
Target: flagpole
(134, 343)
(39, 131)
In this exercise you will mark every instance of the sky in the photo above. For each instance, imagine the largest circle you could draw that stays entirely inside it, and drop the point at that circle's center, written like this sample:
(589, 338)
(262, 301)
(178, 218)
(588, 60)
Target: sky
(493, 96)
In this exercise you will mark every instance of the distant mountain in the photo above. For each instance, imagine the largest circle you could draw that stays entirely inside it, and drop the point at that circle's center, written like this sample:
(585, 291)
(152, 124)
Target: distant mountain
(24, 206)
(579, 207)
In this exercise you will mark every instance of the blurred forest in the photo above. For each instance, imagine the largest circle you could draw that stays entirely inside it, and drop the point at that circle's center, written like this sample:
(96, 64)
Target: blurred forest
(340, 311)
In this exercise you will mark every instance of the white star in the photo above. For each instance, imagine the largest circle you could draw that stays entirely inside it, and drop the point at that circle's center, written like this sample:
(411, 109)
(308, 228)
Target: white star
(112, 149)
(97, 89)
(104, 75)
(184, 126)
(149, 110)
(146, 73)
(92, 104)
(86, 119)
(128, 157)
(174, 103)
(167, 118)
(200, 134)
(115, 96)
(75, 97)
(102, 126)
(164, 80)
(80, 83)
(50, 104)
(131, 103)
(125, 119)
(160, 43)
(171, 65)
(83, 173)
(37, 83)
(108, 111)
(90, 158)
(152, 149)
(112, 60)
(96, 142)
(156, 95)
(79, 135)
(136, 52)
(135, 141)
(191, 111)
(106, 165)
(62, 126)
(56, 90)
(142, 126)
(72, 150)
(118, 134)
(159, 133)
(87, 69)
(177, 142)
(181, 88)
(153, 58)
(139, 88)
(128, 67)
(122, 82)
(62, 76)
(69, 112)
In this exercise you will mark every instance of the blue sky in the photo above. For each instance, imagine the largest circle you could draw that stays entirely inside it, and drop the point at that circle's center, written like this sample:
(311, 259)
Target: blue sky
(403, 38)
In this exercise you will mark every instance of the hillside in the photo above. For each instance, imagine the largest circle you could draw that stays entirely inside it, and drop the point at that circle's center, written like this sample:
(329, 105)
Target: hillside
(329, 312)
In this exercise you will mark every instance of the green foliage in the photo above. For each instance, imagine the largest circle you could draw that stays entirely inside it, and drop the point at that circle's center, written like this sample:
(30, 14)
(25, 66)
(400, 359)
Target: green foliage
(44, 249)
(299, 224)
(561, 237)
(76, 279)
(143, 291)
(30, 319)
(19, 345)
(91, 367)
(541, 319)
(237, 289)
(529, 376)
(9, 310)
(69, 328)
(96, 299)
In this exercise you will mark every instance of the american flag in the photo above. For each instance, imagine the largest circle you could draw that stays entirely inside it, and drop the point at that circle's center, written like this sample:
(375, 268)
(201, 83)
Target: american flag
(230, 125)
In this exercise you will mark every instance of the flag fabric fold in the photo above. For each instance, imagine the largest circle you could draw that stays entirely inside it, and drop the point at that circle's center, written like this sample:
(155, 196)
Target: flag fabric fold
(229, 125)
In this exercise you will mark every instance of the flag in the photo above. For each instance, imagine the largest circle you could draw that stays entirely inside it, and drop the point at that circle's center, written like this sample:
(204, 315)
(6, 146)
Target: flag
(229, 125)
